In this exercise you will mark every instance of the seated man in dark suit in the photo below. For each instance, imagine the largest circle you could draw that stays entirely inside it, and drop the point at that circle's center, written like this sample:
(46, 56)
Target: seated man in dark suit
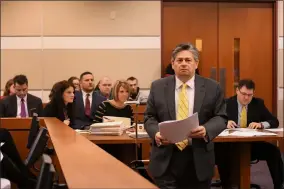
(86, 102)
(21, 103)
(244, 110)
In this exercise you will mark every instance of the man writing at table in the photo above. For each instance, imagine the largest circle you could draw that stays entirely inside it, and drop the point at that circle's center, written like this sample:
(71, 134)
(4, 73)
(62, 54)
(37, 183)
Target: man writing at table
(189, 163)
(243, 111)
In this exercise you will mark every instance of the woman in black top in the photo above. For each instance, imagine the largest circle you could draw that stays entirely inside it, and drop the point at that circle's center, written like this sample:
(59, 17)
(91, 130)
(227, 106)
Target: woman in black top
(116, 107)
(61, 103)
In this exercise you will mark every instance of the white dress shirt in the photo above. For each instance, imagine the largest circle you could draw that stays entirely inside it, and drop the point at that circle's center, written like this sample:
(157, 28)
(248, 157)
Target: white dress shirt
(90, 97)
(19, 103)
(190, 94)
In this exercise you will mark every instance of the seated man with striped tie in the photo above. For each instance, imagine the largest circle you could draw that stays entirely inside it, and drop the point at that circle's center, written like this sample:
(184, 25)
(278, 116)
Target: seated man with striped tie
(21, 103)
(244, 111)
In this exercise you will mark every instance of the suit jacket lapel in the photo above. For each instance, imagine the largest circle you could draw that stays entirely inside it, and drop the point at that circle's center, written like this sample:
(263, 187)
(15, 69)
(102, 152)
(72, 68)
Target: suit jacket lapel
(199, 93)
(29, 104)
(250, 111)
(93, 101)
(235, 110)
(14, 105)
(81, 100)
(170, 96)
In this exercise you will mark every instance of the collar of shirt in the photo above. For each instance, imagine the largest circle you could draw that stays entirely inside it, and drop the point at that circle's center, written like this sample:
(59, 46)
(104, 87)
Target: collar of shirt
(19, 99)
(189, 83)
(240, 106)
(85, 94)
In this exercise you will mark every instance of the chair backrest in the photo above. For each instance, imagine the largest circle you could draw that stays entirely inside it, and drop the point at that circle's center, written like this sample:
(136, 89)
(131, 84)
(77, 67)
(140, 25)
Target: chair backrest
(46, 175)
(33, 130)
(38, 147)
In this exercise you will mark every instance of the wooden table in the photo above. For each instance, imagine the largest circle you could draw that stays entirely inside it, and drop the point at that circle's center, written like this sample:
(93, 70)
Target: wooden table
(123, 147)
(123, 139)
(243, 154)
(85, 165)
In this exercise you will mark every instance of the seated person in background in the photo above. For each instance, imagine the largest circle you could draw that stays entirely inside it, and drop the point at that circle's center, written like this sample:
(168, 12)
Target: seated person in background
(75, 82)
(20, 103)
(86, 102)
(12, 166)
(135, 93)
(104, 87)
(117, 106)
(61, 103)
(9, 88)
(243, 111)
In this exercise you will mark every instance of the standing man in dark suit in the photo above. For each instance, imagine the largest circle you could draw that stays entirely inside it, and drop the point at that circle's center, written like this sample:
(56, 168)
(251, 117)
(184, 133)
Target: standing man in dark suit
(86, 102)
(189, 163)
(243, 111)
(21, 103)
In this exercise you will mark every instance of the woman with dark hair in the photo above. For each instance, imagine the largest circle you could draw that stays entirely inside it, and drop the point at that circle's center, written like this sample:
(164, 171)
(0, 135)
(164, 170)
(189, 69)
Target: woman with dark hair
(75, 82)
(61, 103)
(9, 88)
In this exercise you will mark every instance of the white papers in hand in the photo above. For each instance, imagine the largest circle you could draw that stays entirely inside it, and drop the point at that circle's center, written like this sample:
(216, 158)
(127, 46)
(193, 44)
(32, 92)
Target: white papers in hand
(178, 130)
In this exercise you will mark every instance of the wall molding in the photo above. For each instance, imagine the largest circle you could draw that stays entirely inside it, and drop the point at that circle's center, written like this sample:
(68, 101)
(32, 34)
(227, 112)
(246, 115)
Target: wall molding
(98, 42)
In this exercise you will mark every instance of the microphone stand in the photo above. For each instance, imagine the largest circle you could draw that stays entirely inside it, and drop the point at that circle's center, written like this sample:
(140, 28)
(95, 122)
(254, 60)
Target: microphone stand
(136, 131)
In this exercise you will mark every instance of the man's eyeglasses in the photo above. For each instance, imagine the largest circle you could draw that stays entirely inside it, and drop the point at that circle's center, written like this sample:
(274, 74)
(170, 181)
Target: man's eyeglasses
(245, 94)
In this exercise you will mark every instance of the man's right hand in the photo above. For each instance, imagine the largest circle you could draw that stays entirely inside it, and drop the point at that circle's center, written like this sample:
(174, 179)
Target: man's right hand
(231, 124)
(160, 140)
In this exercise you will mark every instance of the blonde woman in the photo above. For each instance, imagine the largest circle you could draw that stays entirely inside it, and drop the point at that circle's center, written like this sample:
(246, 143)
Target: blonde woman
(116, 106)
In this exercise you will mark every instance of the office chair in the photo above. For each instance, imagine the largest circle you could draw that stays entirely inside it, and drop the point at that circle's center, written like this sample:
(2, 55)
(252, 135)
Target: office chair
(37, 148)
(141, 167)
(47, 172)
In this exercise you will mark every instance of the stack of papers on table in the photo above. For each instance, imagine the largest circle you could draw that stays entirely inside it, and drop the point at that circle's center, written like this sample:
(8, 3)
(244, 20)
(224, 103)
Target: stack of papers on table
(107, 128)
(140, 134)
(246, 132)
(275, 130)
(126, 122)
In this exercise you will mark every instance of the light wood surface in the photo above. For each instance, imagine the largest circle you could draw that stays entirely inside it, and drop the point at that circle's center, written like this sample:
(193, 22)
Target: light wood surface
(123, 139)
(85, 165)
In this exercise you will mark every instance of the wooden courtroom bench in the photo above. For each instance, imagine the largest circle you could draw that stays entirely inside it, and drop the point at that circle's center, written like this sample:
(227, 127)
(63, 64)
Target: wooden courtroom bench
(19, 129)
(85, 165)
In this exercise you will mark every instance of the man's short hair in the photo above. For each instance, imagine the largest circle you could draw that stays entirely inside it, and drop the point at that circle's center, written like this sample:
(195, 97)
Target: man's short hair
(20, 80)
(132, 78)
(248, 83)
(185, 47)
(85, 73)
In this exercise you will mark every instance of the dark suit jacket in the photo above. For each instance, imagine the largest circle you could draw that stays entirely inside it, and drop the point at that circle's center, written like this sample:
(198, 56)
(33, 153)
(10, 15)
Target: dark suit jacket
(81, 120)
(211, 108)
(8, 106)
(257, 112)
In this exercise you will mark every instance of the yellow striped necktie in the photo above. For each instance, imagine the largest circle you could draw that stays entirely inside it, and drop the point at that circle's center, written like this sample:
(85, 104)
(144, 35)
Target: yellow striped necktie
(243, 117)
(182, 112)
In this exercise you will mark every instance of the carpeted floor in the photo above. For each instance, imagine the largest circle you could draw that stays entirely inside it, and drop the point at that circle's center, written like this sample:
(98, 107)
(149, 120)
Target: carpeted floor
(260, 175)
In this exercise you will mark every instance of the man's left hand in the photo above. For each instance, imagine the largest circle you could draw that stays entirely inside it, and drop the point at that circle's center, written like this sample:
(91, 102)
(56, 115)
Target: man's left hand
(254, 125)
(199, 132)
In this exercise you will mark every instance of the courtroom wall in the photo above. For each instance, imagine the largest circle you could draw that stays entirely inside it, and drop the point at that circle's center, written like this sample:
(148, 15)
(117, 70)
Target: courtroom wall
(53, 40)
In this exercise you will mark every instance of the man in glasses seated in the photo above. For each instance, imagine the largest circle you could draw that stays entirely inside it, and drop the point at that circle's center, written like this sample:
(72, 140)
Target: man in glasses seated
(246, 111)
